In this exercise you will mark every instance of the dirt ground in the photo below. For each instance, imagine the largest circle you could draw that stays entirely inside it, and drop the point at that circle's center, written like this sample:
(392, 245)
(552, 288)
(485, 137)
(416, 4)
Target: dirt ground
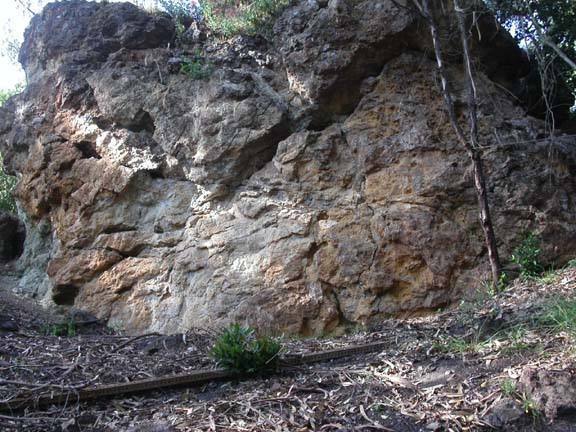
(459, 370)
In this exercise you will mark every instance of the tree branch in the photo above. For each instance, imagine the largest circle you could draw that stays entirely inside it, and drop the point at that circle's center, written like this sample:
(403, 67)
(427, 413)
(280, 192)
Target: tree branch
(26, 6)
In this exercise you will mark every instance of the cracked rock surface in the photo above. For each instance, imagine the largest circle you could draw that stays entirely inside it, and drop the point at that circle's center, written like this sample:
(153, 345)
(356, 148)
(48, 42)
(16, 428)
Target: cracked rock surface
(308, 183)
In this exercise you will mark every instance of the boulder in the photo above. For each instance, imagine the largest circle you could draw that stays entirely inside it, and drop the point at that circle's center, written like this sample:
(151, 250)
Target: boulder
(298, 184)
(553, 391)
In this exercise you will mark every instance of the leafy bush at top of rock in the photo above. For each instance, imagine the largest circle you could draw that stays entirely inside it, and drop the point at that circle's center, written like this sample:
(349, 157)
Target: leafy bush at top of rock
(238, 349)
(6, 94)
(181, 9)
(231, 17)
(527, 256)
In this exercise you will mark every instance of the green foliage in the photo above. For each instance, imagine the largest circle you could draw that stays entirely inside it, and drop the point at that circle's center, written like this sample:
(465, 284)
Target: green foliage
(538, 25)
(548, 277)
(560, 315)
(458, 345)
(503, 282)
(231, 17)
(195, 68)
(514, 340)
(508, 387)
(66, 329)
(7, 182)
(530, 406)
(177, 9)
(6, 94)
(239, 350)
(527, 256)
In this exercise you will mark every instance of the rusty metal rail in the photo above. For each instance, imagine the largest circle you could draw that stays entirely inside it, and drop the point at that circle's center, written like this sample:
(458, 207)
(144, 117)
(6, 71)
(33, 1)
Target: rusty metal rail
(188, 379)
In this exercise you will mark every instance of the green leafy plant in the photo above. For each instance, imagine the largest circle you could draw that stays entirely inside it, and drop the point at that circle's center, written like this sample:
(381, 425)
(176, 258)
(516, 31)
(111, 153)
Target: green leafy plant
(527, 256)
(66, 329)
(530, 406)
(503, 282)
(238, 349)
(195, 68)
(508, 387)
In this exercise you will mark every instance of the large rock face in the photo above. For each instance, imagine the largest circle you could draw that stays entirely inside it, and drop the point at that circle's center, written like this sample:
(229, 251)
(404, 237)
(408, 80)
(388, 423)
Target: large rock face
(309, 183)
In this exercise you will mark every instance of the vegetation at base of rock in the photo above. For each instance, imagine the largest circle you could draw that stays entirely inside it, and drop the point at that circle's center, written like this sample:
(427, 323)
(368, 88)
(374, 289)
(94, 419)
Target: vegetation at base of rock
(560, 315)
(527, 256)
(65, 329)
(238, 349)
(195, 68)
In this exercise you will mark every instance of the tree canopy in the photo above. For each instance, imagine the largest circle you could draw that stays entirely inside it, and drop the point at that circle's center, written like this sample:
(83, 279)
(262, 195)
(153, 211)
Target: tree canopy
(547, 29)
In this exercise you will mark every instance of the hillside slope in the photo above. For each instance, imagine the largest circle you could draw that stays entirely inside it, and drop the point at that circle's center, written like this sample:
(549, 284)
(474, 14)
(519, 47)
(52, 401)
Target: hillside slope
(495, 363)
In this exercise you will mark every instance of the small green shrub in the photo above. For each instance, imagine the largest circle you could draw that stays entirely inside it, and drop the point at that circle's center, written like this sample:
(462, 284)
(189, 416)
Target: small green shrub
(195, 68)
(239, 350)
(508, 387)
(527, 256)
(530, 406)
(66, 329)
(503, 282)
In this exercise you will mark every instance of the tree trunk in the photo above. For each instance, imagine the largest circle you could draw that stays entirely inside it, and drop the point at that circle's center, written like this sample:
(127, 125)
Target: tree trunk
(471, 144)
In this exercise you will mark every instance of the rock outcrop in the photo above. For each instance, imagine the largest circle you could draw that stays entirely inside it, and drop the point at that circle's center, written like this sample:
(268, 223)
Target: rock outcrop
(309, 182)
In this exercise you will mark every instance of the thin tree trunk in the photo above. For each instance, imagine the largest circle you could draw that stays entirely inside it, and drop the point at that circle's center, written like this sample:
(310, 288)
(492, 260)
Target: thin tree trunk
(471, 145)
(473, 149)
